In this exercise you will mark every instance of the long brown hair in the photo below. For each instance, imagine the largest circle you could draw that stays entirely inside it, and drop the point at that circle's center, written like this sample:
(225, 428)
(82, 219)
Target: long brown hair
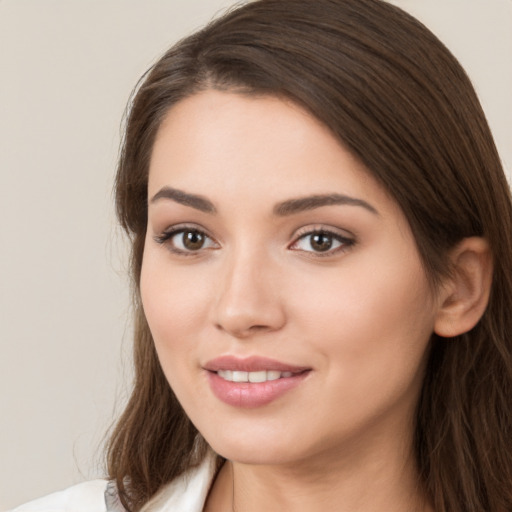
(395, 96)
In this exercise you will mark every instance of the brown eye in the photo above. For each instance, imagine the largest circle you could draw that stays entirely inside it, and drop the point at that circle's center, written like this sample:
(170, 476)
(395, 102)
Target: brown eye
(321, 242)
(193, 240)
(186, 241)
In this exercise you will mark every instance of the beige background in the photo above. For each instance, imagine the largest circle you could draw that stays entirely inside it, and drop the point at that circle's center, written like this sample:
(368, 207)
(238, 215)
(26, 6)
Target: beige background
(66, 70)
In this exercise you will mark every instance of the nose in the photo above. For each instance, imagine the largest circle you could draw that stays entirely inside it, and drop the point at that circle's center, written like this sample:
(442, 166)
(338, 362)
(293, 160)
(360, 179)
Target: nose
(249, 301)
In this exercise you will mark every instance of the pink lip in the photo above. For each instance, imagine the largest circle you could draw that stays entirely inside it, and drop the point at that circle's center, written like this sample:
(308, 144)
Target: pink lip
(251, 364)
(249, 394)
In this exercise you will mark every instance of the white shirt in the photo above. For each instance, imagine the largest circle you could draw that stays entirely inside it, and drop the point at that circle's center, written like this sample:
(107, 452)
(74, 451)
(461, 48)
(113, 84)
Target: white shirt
(185, 494)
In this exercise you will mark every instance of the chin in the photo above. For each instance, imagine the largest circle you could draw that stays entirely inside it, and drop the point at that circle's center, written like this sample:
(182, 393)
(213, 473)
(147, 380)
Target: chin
(254, 455)
(253, 449)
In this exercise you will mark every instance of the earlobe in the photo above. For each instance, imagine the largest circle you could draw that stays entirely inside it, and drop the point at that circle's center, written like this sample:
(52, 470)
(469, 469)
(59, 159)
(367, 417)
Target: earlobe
(465, 293)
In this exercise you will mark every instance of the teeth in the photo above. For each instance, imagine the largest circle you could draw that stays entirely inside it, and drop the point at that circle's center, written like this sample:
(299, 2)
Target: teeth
(240, 376)
(262, 376)
(257, 376)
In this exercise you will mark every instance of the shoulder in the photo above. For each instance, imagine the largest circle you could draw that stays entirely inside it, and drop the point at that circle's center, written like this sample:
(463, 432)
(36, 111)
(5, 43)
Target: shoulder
(84, 497)
(186, 493)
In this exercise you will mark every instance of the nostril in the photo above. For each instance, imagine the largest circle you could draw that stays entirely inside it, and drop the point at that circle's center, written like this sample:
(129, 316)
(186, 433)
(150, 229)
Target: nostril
(259, 328)
(243, 331)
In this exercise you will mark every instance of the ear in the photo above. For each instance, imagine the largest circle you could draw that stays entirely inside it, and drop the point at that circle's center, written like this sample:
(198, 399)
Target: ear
(464, 295)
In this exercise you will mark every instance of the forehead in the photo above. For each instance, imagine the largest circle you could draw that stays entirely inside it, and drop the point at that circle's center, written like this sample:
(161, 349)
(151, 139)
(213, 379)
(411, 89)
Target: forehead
(245, 146)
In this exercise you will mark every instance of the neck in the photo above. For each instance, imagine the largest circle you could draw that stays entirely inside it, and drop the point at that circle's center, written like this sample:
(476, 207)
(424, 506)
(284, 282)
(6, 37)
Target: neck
(372, 489)
(362, 479)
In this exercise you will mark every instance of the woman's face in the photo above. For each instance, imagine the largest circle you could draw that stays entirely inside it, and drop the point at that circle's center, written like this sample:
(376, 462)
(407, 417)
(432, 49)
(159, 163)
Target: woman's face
(282, 285)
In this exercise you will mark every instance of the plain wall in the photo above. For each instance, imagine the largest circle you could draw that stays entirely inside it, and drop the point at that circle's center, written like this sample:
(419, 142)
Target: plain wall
(67, 68)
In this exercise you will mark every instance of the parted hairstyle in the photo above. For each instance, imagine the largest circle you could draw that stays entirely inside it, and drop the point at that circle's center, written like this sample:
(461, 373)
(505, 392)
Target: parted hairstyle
(392, 94)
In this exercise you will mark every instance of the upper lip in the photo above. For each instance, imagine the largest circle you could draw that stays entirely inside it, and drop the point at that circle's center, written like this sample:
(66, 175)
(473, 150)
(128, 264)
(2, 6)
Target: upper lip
(251, 364)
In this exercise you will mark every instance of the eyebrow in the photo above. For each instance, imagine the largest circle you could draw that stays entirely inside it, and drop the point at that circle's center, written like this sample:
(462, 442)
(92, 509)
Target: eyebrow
(195, 201)
(293, 206)
(285, 208)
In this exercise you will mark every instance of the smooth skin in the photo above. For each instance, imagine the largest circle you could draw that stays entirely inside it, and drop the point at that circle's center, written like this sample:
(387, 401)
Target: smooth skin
(233, 265)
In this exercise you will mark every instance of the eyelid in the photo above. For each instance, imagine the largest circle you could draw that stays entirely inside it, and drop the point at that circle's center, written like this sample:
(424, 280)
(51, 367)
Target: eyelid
(323, 228)
(168, 233)
(346, 238)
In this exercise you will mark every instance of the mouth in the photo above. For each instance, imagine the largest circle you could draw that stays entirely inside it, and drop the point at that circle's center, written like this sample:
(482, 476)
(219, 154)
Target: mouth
(254, 381)
(254, 377)
(252, 364)
(252, 369)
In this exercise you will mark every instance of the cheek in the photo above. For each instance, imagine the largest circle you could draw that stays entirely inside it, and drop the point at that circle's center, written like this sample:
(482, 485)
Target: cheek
(366, 323)
(173, 300)
(365, 298)
(372, 334)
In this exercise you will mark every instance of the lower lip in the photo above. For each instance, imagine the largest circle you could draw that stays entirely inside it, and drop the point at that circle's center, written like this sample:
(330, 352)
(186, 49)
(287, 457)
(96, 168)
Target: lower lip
(252, 394)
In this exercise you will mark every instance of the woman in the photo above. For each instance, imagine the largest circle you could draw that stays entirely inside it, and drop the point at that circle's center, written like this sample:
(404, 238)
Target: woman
(321, 266)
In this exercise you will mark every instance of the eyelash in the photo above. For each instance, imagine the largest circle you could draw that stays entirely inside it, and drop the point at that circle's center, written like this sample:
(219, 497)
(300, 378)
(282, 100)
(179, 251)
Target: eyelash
(345, 242)
(166, 238)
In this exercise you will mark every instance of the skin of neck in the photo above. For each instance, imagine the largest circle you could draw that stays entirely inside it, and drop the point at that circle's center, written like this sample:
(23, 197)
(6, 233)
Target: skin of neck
(375, 472)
